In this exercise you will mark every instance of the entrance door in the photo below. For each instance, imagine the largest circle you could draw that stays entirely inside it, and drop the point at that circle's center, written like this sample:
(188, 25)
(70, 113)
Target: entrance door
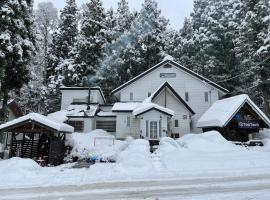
(153, 130)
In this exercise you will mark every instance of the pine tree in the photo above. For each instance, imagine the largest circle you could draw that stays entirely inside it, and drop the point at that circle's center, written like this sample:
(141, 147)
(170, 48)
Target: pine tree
(17, 42)
(252, 48)
(92, 41)
(64, 39)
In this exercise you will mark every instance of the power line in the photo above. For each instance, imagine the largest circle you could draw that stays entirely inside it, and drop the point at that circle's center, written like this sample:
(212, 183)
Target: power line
(243, 72)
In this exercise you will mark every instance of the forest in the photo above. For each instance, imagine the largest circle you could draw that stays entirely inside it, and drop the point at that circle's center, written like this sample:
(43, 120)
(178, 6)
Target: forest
(43, 49)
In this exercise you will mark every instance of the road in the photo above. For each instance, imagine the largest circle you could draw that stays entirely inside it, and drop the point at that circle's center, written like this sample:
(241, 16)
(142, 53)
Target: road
(244, 187)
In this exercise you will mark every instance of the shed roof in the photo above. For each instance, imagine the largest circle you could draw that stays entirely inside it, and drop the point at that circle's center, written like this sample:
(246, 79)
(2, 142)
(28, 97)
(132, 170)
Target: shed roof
(222, 111)
(41, 119)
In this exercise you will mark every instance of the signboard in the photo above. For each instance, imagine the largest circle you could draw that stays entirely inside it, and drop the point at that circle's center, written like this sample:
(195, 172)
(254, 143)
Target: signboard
(167, 75)
(248, 124)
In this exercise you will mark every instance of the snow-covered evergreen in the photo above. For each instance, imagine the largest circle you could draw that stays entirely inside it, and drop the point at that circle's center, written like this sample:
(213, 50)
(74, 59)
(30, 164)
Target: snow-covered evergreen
(17, 40)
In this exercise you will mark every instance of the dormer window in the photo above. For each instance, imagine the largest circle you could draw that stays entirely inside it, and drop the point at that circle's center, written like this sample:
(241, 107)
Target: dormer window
(131, 96)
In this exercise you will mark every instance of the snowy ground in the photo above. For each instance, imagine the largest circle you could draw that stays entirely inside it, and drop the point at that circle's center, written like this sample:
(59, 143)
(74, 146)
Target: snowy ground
(195, 165)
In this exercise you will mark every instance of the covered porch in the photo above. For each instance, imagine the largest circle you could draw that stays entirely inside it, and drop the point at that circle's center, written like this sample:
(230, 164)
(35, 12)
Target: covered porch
(37, 137)
(154, 121)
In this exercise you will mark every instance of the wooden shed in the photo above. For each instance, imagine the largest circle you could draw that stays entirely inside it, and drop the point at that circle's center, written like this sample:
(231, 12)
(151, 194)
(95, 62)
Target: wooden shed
(37, 137)
(236, 118)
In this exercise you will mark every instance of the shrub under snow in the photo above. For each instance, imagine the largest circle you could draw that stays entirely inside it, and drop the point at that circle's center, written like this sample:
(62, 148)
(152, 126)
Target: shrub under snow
(97, 143)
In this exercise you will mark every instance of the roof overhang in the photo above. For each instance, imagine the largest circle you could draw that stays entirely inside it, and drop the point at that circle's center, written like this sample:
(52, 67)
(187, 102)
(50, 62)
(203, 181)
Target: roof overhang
(205, 80)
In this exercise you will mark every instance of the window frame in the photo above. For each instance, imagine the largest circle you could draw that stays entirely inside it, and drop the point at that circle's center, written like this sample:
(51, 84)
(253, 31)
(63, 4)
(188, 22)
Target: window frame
(176, 123)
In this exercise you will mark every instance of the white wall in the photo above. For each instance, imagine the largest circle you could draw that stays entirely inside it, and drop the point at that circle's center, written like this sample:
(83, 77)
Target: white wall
(183, 82)
(69, 95)
(122, 130)
(179, 112)
(153, 115)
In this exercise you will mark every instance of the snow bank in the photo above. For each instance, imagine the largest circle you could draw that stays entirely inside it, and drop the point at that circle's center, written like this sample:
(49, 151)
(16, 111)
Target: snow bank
(136, 156)
(97, 143)
(211, 141)
(208, 153)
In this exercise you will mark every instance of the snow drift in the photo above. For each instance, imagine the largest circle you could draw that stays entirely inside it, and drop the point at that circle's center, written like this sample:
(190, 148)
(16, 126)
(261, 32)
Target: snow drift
(136, 155)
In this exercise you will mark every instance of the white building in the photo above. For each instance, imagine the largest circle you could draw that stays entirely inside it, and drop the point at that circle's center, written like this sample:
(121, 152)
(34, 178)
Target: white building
(166, 100)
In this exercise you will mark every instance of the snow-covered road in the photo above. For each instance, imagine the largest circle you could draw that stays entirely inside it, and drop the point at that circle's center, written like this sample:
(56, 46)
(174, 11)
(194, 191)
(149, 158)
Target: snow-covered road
(244, 187)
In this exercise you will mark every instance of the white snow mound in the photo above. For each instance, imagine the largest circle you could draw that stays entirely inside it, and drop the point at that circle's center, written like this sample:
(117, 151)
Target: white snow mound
(211, 141)
(18, 165)
(136, 155)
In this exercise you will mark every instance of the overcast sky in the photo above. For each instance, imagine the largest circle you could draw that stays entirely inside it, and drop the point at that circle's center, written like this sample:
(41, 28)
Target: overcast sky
(174, 10)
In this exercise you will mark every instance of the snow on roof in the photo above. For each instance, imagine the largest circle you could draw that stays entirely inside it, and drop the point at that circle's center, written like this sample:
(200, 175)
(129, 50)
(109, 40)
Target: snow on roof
(59, 116)
(81, 110)
(105, 114)
(40, 119)
(125, 106)
(222, 111)
(147, 106)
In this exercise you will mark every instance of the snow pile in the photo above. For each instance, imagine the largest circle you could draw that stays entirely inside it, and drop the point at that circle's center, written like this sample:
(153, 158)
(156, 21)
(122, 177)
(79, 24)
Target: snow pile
(211, 141)
(208, 153)
(17, 170)
(136, 156)
(97, 143)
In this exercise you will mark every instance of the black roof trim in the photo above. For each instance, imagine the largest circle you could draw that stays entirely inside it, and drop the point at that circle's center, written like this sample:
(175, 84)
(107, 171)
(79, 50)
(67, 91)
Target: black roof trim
(177, 65)
(156, 110)
(122, 111)
(166, 84)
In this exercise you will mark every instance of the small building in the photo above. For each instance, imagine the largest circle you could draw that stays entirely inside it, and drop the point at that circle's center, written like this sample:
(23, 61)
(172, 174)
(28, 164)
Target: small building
(35, 136)
(165, 100)
(236, 118)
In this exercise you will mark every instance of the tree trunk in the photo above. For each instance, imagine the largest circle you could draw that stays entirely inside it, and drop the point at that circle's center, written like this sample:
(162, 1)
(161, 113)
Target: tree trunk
(4, 110)
(266, 105)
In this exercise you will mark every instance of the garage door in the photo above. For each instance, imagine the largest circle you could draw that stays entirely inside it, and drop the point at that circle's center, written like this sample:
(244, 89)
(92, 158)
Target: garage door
(109, 126)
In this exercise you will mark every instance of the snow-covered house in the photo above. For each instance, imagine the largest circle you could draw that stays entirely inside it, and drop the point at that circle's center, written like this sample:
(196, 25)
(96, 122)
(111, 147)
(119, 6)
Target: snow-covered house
(166, 100)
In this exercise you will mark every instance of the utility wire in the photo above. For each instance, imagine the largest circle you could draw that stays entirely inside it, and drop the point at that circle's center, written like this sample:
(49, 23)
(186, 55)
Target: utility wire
(243, 72)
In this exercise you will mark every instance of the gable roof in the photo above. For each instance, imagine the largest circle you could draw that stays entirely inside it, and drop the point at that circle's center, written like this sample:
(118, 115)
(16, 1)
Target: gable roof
(192, 73)
(167, 61)
(222, 111)
(146, 107)
(40, 119)
(166, 84)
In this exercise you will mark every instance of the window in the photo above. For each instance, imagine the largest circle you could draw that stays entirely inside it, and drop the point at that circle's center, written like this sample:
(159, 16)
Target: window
(78, 125)
(167, 75)
(149, 94)
(147, 129)
(160, 135)
(206, 98)
(153, 129)
(186, 96)
(176, 123)
(131, 96)
(128, 121)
